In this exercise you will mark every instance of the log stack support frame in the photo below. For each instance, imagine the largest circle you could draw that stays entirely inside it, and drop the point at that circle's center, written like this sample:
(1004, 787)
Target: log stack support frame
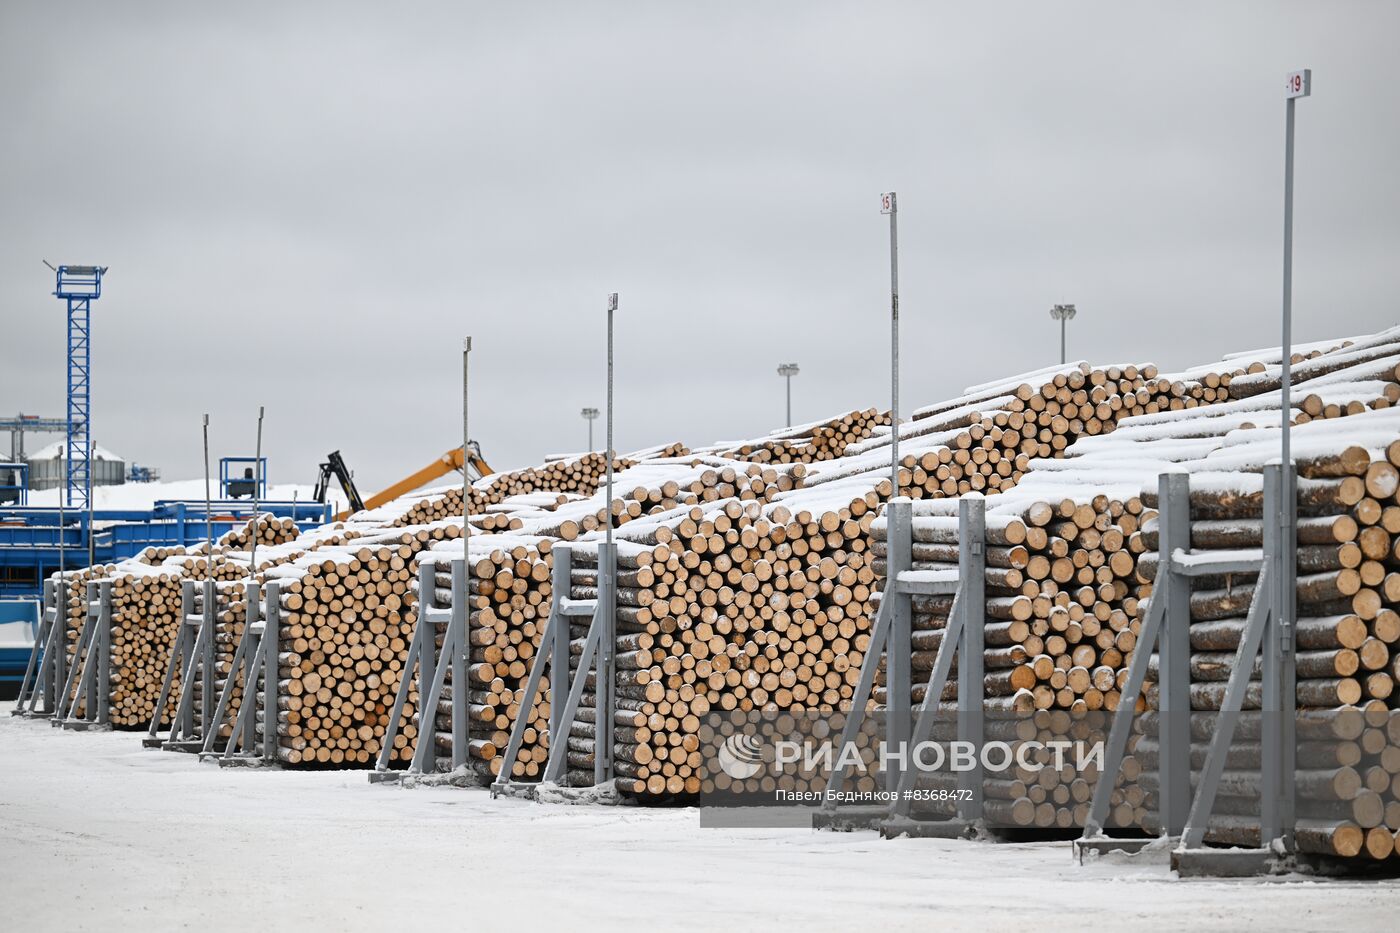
(433, 663)
(191, 658)
(89, 676)
(1268, 627)
(554, 654)
(38, 692)
(891, 636)
(256, 656)
(1166, 627)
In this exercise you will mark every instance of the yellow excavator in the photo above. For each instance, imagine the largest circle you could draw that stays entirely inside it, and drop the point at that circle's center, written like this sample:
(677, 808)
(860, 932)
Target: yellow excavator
(452, 460)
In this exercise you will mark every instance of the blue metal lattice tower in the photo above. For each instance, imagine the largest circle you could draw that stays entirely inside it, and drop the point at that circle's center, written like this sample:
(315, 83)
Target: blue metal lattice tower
(79, 286)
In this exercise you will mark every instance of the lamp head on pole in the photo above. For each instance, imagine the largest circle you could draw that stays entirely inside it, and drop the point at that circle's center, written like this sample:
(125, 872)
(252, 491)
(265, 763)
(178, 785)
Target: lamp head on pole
(612, 301)
(1063, 312)
(788, 369)
(590, 413)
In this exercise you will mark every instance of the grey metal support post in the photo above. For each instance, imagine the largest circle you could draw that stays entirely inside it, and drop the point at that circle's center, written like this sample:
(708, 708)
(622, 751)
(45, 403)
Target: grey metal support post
(605, 684)
(183, 723)
(899, 720)
(1277, 816)
(559, 645)
(271, 636)
(456, 642)
(243, 661)
(972, 536)
(423, 643)
(554, 652)
(58, 640)
(425, 754)
(1174, 646)
(462, 594)
(33, 669)
(206, 673)
(1279, 669)
(104, 654)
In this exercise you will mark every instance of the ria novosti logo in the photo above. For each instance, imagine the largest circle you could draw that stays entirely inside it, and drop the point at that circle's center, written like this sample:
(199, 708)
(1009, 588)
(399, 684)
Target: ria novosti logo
(741, 756)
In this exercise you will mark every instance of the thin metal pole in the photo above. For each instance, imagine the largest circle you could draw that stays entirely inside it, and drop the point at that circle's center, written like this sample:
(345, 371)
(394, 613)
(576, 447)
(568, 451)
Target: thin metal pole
(460, 646)
(590, 433)
(62, 534)
(1062, 341)
(894, 346)
(91, 561)
(612, 306)
(789, 401)
(466, 452)
(208, 509)
(257, 481)
(1287, 410)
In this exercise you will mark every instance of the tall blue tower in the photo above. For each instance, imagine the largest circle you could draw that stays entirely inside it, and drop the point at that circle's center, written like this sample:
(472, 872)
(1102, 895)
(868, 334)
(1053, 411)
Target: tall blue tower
(79, 286)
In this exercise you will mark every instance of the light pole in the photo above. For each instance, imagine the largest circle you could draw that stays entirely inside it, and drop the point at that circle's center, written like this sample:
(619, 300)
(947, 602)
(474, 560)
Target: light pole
(787, 371)
(1062, 313)
(590, 414)
(888, 205)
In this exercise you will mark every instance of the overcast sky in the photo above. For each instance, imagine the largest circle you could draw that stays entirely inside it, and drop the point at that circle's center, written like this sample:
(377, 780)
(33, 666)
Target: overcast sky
(307, 206)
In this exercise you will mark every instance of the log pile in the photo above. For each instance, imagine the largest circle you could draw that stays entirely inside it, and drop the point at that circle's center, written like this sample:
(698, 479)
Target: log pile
(1348, 632)
(985, 440)
(271, 530)
(510, 601)
(811, 443)
(739, 606)
(347, 620)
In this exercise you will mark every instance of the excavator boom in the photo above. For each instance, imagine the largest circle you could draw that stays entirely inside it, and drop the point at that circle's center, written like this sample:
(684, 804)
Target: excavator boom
(447, 463)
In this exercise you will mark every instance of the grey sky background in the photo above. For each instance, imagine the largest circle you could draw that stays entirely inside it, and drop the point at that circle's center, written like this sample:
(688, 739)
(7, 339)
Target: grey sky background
(306, 206)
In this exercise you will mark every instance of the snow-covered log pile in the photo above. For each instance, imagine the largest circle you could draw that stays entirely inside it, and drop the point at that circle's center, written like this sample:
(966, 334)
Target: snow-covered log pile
(510, 599)
(738, 605)
(348, 615)
(1348, 631)
(984, 440)
(1069, 567)
(809, 443)
(271, 530)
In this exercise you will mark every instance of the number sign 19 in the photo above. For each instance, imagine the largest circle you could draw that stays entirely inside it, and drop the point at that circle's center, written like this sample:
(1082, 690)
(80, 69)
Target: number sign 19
(1299, 83)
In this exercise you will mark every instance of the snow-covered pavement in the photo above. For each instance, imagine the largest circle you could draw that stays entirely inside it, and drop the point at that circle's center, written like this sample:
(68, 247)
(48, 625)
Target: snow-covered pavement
(98, 834)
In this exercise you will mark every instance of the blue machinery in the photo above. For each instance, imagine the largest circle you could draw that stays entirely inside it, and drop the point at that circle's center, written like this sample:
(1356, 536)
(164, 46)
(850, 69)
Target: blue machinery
(14, 484)
(79, 286)
(239, 476)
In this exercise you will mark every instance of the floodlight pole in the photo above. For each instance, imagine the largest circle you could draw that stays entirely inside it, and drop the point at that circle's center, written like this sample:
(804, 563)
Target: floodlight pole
(888, 205)
(1062, 313)
(787, 371)
(589, 415)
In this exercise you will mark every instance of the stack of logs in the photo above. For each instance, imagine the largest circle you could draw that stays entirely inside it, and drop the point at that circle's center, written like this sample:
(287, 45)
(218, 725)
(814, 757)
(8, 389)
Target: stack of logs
(1061, 620)
(734, 607)
(826, 440)
(510, 602)
(271, 530)
(347, 619)
(1348, 657)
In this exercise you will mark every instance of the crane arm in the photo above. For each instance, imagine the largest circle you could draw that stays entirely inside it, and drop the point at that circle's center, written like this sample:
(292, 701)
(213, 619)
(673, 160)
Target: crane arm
(447, 463)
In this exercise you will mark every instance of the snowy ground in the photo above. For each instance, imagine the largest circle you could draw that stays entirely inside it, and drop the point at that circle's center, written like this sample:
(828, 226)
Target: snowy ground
(97, 834)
